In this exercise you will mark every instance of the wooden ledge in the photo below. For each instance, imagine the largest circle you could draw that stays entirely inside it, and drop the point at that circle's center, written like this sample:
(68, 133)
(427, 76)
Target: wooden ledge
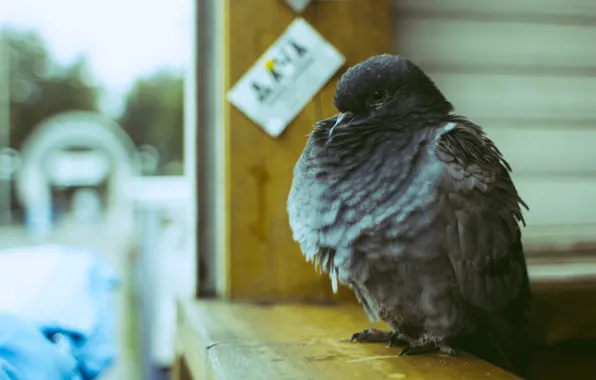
(222, 340)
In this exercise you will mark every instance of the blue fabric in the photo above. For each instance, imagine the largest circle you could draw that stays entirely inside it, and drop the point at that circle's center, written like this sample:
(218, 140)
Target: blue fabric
(56, 304)
(26, 354)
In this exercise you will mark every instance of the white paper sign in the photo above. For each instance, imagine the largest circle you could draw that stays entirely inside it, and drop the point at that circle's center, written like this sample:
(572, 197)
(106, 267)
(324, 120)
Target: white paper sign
(284, 79)
(298, 5)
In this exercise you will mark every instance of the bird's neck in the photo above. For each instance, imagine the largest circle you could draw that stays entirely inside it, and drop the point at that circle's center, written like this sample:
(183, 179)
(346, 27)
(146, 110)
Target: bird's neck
(375, 154)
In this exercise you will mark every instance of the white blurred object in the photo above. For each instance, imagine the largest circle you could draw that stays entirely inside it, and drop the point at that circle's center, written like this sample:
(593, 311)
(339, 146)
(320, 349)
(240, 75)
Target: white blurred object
(38, 219)
(298, 5)
(86, 206)
(146, 160)
(65, 131)
(49, 284)
(157, 192)
(171, 266)
(167, 262)
(87, 168)
(10, 162)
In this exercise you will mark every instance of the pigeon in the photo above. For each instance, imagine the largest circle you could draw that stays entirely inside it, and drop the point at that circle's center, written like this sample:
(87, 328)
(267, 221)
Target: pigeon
(413, 207)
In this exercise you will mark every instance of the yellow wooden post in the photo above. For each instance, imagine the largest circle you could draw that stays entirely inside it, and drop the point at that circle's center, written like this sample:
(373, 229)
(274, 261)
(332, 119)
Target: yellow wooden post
(262, 261)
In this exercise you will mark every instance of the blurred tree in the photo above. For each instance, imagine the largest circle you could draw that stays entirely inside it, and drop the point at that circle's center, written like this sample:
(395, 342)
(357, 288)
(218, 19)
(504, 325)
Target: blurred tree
(39, 87)
(154, 115)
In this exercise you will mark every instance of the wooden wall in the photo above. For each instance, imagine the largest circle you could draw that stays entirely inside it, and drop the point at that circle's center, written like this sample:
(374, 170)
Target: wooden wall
(526, 71)
(261, 261)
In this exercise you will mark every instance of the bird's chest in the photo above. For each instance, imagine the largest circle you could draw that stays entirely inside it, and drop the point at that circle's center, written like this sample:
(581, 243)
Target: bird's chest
(418, 296)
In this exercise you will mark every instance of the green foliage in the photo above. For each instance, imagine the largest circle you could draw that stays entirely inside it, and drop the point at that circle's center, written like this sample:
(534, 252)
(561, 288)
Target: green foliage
(39, 86)
(154, 115)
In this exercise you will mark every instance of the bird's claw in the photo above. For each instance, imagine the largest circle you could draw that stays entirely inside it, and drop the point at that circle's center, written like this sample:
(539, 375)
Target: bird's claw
(416, 350)
(371, 336)
(396, 339)
(447, 350)
(428, 347)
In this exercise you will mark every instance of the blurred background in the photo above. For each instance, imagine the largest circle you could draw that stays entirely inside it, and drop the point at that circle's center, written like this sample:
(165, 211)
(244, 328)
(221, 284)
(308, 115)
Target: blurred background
(98, 163)
(93, 192)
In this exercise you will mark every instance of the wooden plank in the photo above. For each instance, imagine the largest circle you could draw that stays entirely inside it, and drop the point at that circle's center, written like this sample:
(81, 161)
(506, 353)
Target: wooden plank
(572, 360)
(560, 238)
(500, 97)
(561, 217)
(558, 201)
(331, 360)
(496, 45)
(180, 370)
(558, 272)
(191, 351)
(262, 260)
(557, 10)
(555, 150)
(566, 313)
(307, 342)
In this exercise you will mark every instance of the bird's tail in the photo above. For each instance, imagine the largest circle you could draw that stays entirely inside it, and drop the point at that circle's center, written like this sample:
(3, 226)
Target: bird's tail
(504, 343)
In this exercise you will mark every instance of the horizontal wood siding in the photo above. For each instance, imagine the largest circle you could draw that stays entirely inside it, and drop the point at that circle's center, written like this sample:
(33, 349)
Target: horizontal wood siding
(526, 72)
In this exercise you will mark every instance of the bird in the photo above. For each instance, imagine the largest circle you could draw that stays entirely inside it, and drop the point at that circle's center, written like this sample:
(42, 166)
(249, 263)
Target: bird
(413, 207)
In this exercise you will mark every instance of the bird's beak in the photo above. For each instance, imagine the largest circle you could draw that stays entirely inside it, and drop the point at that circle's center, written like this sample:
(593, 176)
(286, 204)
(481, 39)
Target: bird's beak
(344, 116)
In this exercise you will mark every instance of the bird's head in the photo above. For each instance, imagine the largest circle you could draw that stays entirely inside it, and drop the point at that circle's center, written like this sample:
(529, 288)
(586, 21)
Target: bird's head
(385, 91)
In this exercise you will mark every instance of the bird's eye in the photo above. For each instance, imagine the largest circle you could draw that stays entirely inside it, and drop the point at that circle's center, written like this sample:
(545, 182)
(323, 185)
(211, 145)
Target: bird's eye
(377, 97)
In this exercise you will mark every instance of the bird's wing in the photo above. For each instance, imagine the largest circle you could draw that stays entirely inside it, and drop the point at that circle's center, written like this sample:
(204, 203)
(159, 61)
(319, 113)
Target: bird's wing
(484, 211)
(483, 243)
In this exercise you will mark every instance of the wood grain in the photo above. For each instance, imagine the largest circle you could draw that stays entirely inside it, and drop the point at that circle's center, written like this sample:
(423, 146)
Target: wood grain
(558, 201)
(262, 260)
(561, 11)
(519, 96)
(242, 341)
(567, 313)
(529, 47)
(560, 210)
(532, 149)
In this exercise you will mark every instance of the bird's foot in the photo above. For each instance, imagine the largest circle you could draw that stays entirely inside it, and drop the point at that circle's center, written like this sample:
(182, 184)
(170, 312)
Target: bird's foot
(397, 339)
(428, 347)
(419, 349)
(372, 336)
(446, 350)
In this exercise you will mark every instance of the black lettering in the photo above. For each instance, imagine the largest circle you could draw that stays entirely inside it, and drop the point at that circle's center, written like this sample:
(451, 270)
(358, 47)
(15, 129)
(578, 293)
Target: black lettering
(262, 92)
(300, 50)
(283, 58)
(277, 76)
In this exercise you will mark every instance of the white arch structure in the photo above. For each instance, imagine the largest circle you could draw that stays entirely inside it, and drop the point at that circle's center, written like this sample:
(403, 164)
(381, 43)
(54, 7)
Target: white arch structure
(75, 129)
